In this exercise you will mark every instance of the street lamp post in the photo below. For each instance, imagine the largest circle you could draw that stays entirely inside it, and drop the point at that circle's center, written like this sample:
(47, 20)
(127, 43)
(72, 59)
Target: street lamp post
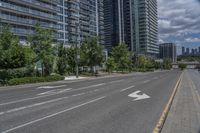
(77, 53)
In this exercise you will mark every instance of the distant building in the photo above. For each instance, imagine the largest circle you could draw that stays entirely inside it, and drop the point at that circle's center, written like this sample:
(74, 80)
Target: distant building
(193, 52)
(183, 51)
(168, 51)
(199, 50)
(187, 51)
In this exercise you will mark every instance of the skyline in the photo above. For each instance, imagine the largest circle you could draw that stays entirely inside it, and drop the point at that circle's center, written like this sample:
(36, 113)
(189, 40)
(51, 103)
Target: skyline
(179, 22)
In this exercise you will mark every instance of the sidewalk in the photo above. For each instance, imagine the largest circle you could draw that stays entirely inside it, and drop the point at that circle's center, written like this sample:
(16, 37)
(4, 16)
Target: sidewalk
(184, 115)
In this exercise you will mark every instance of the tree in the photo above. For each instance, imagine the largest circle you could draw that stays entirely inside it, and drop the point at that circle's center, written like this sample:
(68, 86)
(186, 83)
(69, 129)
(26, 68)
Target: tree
(12, 54)
(182, 66)
(62, 59)
(122, 57)
(142, 61)
(41, 43)
(110, 64)
(91, 53)
(167, 64)
(71, 58)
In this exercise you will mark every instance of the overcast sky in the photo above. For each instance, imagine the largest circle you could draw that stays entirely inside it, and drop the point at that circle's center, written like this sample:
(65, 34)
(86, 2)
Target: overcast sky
(179, 22)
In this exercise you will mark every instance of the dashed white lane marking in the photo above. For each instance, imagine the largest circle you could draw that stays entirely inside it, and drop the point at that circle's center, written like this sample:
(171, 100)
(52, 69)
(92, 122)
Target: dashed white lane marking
(78, 94)
(58, 91)
(99, 85)
(127, 88)
(1, 113)
(146, 81)
(116, 81)
(22, 100)
(50, 87)
(32, 98)
(52, 115)
(155, 78)
(33, 105)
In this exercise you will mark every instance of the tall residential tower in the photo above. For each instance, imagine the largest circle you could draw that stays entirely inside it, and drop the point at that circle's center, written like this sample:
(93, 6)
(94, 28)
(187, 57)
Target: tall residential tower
(73, 20)
(134, 22)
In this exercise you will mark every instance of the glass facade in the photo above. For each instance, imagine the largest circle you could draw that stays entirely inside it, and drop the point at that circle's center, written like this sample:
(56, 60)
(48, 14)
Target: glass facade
(23, 15)
(134, 22)
(73, 20)
(168, 51)
(113, 23)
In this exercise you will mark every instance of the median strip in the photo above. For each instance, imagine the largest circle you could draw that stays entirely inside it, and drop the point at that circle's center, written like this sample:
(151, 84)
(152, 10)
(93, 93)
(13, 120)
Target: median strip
(164, 114)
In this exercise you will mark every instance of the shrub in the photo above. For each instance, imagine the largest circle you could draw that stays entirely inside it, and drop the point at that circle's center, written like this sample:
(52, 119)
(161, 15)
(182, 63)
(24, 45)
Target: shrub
(182, 66)
(16, 73)
(25, 80)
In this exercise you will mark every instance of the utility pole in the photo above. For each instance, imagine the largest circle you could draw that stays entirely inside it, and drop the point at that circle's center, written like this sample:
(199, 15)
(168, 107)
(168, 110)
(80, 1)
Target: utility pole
(77, 53)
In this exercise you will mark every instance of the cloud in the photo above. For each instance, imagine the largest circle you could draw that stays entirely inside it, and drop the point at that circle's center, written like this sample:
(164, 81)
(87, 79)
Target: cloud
(179, 19)
(193, 40)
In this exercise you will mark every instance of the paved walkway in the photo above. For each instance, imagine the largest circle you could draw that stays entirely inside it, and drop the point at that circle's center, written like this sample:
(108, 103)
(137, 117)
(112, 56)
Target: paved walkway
(184, 115)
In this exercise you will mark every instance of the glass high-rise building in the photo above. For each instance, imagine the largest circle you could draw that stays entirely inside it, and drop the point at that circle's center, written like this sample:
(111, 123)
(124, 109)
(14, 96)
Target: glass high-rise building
(168, 51)
(145, 27)
(23, 15)
(73, 20)
(134, 22)
(113, 23)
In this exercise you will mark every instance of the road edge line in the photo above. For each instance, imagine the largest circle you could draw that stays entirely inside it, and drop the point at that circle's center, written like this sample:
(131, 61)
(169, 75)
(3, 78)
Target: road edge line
(163, 117)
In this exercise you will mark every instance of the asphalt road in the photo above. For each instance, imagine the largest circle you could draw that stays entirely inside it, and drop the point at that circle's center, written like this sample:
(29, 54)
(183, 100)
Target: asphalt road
(104, 105)
(195, 77)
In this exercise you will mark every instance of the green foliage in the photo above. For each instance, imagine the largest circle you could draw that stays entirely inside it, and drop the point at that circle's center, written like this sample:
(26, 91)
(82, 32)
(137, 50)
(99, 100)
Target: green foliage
(110, 64)
(167, 64)
(182, 66)
(142, 61)
(8, 74)
(25, 80)
(12, 55)
(189, 58)
(91, 52)
(122, 57)
(30, 56)
(71, 58)
(41, 43)
(62, 60)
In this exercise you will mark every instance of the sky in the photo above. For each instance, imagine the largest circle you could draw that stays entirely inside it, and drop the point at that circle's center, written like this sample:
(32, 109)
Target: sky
(179, 22)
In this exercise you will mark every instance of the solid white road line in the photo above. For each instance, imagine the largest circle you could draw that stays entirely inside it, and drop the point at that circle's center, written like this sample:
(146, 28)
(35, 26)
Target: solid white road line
(27, 99)
(78, 94)
(146, 81)
(52, 115)
(54, 91)
(116, 81)
(127, 88)
(33, 105)
(50, 87)
(32, 98)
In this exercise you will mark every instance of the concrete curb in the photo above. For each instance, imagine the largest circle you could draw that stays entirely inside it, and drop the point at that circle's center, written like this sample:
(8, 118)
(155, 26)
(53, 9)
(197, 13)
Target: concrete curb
(163, 117)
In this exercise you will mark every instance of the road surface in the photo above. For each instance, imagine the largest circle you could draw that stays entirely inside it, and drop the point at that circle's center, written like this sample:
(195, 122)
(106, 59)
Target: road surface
(121, 104)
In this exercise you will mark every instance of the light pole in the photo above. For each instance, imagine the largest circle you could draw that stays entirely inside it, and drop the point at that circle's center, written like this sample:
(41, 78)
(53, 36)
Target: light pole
(77, 52)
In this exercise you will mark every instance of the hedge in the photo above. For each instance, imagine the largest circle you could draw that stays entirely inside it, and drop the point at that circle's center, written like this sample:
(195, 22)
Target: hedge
(26, 80)
(16, 73)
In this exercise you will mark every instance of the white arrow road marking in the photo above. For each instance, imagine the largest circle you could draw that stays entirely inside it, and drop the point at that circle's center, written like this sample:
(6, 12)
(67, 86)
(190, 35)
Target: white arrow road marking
(138, 96)
(50, 87)
(54, 91)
